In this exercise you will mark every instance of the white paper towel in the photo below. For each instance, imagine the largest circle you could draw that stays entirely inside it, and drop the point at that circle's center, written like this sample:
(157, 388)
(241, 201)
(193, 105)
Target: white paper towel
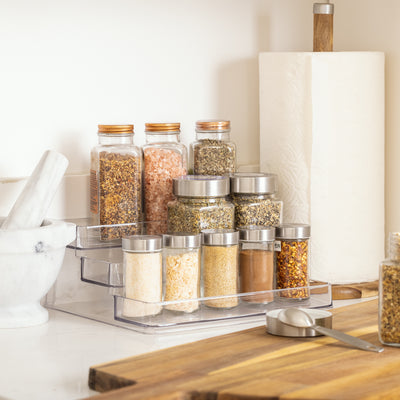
(322, 131)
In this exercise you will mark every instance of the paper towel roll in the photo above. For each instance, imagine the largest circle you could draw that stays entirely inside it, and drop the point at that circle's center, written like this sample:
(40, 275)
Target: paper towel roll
(322, 131)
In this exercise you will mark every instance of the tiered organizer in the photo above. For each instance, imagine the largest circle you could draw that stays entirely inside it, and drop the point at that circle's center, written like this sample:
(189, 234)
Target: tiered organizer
(91, 285)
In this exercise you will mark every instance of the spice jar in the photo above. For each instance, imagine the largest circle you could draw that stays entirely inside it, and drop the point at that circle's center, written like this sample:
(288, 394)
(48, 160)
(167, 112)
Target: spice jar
(213, 153)
(253, 195)
(292, 261)
(165, 158)
(116, 181)
(220, 266)
(202, 203)
(389, 294)
(257, 262)
(182, 270)
(142, 275)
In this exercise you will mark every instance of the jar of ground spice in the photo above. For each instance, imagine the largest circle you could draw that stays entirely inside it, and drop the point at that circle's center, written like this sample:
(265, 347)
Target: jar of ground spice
(220, 267)
(142, 275)
(389, 294)
(201, 203)
(253, 195)
(182, 271)
(165, 158)
(116, 181)
(257, 262)
(292, 261)
(213, 153)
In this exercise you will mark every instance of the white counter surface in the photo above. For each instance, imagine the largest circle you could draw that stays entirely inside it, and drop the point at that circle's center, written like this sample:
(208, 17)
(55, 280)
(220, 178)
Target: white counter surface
(52, 361)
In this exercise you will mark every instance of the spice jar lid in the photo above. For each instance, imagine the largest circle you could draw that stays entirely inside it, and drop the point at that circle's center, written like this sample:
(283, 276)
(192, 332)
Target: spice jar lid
(162, 128)
(293, 231)
(220, 237)
(201, 186)
(213, 125)
(182, 240)
(118, 129)
(253, 233)
(142, 243)
(249, 182)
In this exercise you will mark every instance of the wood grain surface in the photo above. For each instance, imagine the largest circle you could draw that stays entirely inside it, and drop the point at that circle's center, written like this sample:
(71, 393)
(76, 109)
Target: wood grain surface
(323, 32)
(252, 364)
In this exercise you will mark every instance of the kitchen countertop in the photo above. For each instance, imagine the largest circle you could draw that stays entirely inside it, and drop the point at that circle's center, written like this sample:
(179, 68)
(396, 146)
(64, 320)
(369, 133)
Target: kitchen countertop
(51, 361)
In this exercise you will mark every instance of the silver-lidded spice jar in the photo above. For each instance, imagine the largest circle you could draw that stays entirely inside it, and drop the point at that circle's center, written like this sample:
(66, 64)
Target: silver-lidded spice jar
(202, 202)
(220, 266)
(182, 260)
(253, 195)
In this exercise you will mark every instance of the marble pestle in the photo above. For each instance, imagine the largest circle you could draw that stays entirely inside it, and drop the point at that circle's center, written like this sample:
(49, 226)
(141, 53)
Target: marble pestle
(32, 204)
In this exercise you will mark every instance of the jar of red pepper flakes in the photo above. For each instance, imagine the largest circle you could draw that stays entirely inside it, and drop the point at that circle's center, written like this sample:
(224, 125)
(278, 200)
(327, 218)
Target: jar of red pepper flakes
(292, 261)
(165, 158)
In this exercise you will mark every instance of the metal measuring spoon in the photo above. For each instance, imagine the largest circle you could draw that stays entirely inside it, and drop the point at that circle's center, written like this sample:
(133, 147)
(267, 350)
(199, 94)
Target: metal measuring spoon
(301, 319)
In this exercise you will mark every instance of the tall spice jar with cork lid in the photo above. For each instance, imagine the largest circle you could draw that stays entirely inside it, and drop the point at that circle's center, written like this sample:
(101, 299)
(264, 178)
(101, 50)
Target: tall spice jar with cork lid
(165, 158)
(116, 181)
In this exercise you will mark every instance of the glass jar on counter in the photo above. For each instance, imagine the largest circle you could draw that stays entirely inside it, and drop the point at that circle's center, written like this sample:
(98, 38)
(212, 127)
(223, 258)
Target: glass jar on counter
(257, 262)
(165, 158)
(116, 181)
(213, 153)
(253, 195)
(292, 260)
(220, 267)
(201, 203)
(182, 270)
(389, 294)
(142, 275)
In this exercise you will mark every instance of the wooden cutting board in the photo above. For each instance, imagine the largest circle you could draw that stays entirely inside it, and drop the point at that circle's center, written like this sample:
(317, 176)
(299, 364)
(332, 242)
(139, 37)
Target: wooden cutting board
(252, 364)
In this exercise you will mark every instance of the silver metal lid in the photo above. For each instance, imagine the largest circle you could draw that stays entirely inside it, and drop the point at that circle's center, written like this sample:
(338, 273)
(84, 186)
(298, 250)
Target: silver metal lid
(182, 240)
(220, 237)
(293, 231)
(257, 234)
(253, 182)
(323, 8)
(201, 186)
(142, 243)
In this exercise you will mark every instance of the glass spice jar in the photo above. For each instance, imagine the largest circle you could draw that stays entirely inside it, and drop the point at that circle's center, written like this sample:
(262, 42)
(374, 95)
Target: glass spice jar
(116, 181)
(164, 158)
(257, 262)
(142, 275)
(220, 266)
(202, 202)
(292, 261)
(181, 267)
(253, 195)
(213, 153)
(389, 294)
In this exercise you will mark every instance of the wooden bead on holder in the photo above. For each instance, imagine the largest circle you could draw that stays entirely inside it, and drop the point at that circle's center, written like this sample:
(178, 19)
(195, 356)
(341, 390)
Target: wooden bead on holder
(323, 27)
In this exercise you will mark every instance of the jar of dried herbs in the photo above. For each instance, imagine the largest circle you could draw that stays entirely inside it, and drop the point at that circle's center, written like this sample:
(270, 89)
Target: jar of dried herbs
(253, 195)
(165, 158)
(389, 294)
(213, 153)
(142, 275)
(116, 181)
(182, 271)
(257, 263)
(201, 203)
(220, 267)
(292, 260)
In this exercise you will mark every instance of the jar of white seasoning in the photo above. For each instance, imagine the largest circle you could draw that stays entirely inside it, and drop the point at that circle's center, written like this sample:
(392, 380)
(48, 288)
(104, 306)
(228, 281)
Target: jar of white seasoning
(181, 266)
(142, 275)
(220, 252)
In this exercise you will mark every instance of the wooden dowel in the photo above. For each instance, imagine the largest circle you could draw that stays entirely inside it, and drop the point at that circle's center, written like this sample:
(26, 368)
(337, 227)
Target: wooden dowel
(323, 27)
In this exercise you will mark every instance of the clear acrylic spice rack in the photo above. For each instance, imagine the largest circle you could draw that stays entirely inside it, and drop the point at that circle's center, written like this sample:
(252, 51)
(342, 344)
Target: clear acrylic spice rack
(91, 285)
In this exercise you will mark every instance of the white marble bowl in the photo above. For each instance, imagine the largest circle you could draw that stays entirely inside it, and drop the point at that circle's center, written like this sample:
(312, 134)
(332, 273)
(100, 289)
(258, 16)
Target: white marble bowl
(30, 260)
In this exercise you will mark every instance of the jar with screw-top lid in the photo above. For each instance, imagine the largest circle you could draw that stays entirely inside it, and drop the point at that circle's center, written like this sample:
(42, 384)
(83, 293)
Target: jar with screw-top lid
(164, 158)
(213, 152)
(116, 181)
(202, 202)
(253, 195)
(292, 260)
